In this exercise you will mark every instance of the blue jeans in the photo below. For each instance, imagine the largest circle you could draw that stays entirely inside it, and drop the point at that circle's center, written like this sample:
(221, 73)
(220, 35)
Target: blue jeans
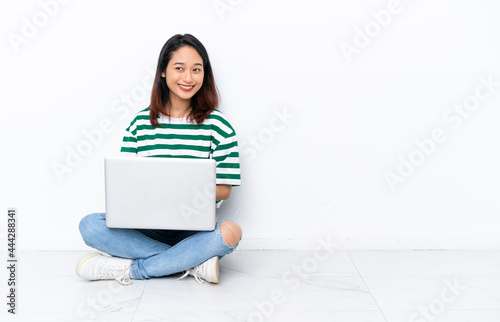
(156, 252)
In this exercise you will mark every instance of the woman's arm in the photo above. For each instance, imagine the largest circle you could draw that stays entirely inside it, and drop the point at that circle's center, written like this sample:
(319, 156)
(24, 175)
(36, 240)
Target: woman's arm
(222, 191)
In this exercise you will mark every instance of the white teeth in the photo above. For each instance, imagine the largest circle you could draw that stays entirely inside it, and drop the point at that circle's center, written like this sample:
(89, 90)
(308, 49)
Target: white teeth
(186, 87)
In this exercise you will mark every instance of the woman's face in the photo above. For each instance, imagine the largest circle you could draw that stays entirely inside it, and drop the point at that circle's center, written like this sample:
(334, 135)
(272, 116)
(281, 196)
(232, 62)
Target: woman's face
(184, 73)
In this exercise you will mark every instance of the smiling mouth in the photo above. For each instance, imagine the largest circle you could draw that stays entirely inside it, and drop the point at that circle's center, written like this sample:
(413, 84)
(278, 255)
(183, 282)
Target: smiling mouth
(186, 88)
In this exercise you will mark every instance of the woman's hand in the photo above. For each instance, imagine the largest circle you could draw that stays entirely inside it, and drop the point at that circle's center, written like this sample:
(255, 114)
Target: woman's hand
(222, 191)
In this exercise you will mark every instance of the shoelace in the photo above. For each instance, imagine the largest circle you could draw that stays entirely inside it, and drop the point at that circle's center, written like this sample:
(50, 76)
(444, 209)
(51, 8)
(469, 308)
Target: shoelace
(121, 277)
(194, 271)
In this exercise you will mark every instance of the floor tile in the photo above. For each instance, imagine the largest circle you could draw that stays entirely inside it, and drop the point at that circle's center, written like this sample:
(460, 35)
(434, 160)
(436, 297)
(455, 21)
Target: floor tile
(438, 315)
(85, 298)
(450, 293)
(277, 263)
(278, 316)
(55, 316)
(426, 263)
(248, 293)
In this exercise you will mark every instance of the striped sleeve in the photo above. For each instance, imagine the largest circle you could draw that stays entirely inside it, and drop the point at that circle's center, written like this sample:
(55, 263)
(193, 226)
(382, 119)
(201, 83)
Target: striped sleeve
(227, 158)
(129, 142)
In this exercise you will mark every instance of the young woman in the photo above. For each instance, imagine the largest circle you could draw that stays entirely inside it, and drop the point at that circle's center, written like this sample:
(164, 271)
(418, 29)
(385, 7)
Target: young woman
(182, 121)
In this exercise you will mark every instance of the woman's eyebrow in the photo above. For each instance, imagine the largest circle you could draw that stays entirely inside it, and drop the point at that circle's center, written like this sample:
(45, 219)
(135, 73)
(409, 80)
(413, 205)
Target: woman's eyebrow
(181, 63)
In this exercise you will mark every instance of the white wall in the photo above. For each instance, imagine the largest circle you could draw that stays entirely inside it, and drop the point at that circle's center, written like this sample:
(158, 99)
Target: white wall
(317, 172)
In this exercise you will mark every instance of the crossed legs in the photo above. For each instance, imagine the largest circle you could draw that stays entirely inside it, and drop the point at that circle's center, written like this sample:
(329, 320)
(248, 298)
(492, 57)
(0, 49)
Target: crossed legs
(154, 258)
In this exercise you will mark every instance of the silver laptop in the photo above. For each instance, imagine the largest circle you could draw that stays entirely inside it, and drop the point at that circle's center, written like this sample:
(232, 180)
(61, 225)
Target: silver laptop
(160, 193)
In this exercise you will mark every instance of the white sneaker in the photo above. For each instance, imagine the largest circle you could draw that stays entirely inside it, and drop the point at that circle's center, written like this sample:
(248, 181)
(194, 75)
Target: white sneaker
(208, 271)
(98, 267)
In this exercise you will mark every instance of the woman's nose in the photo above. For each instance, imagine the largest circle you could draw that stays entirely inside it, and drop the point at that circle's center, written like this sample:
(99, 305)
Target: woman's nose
(187, 77)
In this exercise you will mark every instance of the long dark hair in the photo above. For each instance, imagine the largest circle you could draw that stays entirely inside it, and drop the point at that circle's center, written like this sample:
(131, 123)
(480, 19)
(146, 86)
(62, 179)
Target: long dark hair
(203, 102)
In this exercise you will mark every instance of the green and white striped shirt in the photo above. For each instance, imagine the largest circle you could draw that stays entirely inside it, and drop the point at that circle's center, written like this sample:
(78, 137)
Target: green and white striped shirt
(177, 138)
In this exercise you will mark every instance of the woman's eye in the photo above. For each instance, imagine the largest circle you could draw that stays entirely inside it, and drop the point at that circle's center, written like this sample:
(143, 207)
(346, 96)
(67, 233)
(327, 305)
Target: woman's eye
(197, 70)
(178, 68)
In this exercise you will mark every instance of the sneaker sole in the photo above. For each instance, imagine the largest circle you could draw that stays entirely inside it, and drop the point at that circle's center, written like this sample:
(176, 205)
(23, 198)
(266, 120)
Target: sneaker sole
(83, 261)
(215, 262)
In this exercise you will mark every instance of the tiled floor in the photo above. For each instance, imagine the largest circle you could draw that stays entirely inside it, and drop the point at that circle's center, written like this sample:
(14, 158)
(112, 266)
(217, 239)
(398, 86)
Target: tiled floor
(285, 285)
